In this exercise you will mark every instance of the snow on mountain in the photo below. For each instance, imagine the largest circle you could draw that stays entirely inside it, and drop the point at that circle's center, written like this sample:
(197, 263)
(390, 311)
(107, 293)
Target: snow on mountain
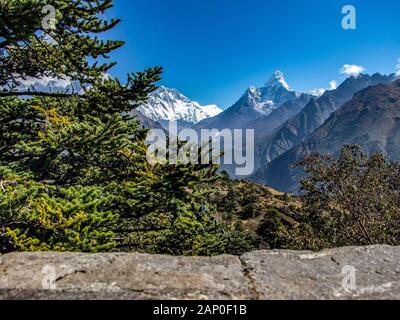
(276, 80)
(164, 104)
(271, 96)
(48, 84)
(171, 105)
(363, 110)
(211, 110)
(255, 104)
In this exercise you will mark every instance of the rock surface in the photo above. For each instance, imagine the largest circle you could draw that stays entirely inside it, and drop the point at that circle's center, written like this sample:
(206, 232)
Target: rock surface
(346, 273)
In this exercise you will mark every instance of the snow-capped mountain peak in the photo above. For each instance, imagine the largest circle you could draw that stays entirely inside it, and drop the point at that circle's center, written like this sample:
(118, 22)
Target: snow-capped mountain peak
(271, 96)
(277, 79)
(171, 94)
(169, 104)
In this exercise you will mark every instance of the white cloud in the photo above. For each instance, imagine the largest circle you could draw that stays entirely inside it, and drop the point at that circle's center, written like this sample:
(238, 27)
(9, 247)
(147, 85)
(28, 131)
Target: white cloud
(317, 92)
(333, 85)
(352, 70)
(398, 68)
(320, 91)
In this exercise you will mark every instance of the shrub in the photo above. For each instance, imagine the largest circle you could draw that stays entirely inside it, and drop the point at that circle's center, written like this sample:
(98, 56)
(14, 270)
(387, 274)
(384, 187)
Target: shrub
(352, 200)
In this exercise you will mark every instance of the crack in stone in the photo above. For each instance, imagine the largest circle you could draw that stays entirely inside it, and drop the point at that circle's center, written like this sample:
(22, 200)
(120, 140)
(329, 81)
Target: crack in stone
(262, 275)
(246, 270)
(70, 274)
(335, 261)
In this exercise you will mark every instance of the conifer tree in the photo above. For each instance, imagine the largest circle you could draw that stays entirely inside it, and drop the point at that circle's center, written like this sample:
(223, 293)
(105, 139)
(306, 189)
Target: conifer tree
(73, 168)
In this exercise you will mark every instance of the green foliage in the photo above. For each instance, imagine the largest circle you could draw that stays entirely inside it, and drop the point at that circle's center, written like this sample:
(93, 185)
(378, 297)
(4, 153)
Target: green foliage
(352, 200)
(254, 215)
(241, 241)
(166, 212)
(40, 217)
(273, 230)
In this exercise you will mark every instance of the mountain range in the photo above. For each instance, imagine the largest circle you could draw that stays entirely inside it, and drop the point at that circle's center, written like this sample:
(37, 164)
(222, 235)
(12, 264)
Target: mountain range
(313, 115)
(257, 107)
(288, 125)
(283, 118)
(166, 105)
(371, 119)
(50, 85)
(163, 104)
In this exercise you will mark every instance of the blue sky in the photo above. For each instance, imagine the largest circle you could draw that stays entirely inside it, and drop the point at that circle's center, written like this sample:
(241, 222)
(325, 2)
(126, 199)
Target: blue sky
(212, 50)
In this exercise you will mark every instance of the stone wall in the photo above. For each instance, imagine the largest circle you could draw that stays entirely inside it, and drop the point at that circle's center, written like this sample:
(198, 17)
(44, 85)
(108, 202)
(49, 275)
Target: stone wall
(346, 273)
